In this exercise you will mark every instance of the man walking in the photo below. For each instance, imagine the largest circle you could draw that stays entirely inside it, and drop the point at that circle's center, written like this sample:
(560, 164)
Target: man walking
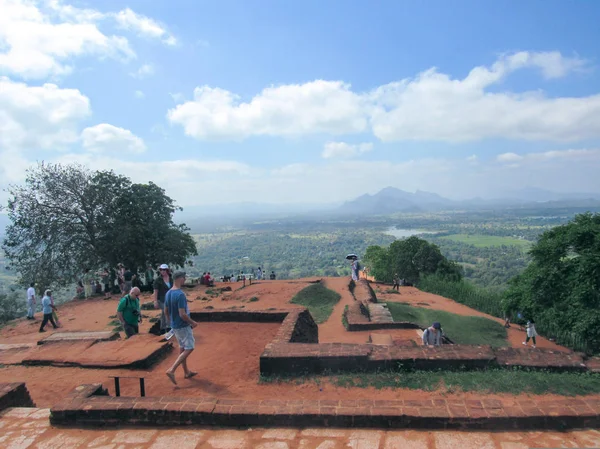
(31, 301)
(47, 308)
(178, 314)
(129, 313)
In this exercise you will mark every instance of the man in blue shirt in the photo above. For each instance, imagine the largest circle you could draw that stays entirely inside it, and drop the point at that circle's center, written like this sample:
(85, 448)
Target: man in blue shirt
(177, 313)
(47, 308)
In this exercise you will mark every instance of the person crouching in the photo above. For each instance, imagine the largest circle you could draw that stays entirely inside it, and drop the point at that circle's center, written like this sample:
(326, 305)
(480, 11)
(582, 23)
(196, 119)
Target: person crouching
(432, 336)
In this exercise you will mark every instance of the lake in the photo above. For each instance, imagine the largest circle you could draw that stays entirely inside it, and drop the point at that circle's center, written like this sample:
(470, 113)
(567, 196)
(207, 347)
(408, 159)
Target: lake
(402, 233)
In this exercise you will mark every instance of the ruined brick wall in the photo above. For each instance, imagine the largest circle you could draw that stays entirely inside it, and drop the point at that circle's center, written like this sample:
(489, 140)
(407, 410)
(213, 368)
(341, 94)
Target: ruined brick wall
(14, 395)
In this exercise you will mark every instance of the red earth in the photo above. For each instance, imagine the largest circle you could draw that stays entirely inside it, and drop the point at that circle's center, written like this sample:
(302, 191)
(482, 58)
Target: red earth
(226, 355)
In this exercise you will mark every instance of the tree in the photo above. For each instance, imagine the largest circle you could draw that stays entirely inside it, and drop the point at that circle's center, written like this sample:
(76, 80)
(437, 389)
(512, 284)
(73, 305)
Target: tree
(410, 258)
(66, 218)
(560, 288)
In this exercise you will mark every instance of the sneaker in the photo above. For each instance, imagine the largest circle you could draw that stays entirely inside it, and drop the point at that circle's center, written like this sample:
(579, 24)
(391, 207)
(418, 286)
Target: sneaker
(533, 346)
(524, 344)
(169, 334)
(42, 330)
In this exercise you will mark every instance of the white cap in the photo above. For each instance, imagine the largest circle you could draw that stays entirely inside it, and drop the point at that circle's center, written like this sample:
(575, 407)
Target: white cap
(164, 266)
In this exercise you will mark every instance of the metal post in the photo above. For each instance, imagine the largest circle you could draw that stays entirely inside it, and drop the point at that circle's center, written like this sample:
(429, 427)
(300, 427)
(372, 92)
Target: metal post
(142, 387)
(117, 387)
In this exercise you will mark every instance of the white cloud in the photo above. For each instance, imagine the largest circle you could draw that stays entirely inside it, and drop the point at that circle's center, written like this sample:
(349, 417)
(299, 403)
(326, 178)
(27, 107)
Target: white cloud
(105, 138)
(509, 157)
(290, 110)
(144, 71)
(39, 117)
(139, 94)
(344, 150)
(144, 26)
(432, 106)
(177, 96)
(32, 45)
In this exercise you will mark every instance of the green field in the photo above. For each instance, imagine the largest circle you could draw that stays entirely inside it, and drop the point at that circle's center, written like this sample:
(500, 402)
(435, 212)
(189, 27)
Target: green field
(465, 330)
(482, 241)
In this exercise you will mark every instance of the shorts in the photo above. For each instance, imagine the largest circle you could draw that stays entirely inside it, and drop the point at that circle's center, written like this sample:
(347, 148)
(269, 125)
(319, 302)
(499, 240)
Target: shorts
(131, 330)
(185, 337)
(106, 288)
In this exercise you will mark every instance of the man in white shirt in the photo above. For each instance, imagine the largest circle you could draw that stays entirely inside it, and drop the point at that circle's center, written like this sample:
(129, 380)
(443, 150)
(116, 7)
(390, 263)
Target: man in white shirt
(31, 301)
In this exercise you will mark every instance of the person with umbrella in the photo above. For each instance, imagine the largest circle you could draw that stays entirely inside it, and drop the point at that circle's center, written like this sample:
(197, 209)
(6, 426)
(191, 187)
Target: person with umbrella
(355, 267)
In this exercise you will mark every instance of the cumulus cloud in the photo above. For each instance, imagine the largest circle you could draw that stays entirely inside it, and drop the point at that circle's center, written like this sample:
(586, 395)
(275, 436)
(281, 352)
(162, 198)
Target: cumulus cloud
(344, 150)
(41, 38)
(290, 110)
(144, 71)
(432, 106)
(39, 117)
(144, 26)
(105, 138)
(509, 157)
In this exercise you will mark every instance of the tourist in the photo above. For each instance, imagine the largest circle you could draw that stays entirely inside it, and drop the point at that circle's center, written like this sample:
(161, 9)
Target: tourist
(54, 309)
(127, 280)
(149, 278)
(31, 301)
(47, 309)
(258, 274)
(531, 333)
(162, 284)
(432, 336)
(88, 278)
(80, 290)
(120, 273)
(178, 313)
(396, 285)
(203, 278)
(105, 276)
(129, 312)
(272, 276)
(355, 269)
(208, 280)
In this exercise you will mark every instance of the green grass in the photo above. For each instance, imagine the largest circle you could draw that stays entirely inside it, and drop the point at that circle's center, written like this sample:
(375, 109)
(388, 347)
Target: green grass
(482, 241)
(466, 330)
(498, 380)
(319, 301)
(253, 299)
(345, 318)
(114, 323)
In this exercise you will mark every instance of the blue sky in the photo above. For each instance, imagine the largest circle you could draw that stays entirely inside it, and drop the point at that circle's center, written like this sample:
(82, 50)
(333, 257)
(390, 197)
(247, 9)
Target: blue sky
(285, 101)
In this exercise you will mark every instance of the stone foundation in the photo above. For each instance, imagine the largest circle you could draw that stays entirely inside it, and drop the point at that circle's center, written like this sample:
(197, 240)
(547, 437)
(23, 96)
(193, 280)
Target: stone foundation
(14, 395)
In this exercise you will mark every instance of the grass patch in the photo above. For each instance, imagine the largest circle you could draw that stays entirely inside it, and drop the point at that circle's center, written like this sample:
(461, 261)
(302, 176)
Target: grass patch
(483, 241)
(112, 316)
(516, 381)
(466, 330)
(345, 318)
(114, 323)
(391, 291)
(118, 329)
(213, 293)
(253, 299)
(319, 301)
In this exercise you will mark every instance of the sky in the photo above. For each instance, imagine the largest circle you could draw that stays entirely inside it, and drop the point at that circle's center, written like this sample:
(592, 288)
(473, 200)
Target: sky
(304, 101)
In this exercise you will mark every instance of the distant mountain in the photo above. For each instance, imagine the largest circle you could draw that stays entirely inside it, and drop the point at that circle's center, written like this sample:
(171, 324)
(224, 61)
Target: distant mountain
(391, 200)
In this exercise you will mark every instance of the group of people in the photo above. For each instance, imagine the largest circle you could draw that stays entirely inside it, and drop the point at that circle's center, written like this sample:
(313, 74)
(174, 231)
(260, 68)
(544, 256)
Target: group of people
(108, 281)
(174, 317)
(48, 308)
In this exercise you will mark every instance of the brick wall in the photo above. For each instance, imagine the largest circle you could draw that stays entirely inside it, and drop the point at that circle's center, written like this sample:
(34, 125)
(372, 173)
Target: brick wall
(14, 395)
(83, 408)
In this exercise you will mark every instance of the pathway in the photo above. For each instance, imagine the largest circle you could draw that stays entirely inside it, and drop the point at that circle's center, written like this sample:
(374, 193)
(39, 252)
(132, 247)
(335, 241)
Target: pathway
(28, 428)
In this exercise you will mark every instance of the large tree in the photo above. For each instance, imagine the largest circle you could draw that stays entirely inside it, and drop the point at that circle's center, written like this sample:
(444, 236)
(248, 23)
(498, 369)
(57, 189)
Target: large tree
(410, 258)
(560, 289)
(66, 218)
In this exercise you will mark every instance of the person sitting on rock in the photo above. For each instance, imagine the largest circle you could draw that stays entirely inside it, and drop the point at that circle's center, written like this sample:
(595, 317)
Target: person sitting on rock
(432, 336)
(208, 280)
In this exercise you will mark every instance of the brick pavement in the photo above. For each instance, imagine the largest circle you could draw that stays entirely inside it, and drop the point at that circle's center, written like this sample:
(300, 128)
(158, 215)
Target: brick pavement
(29, 428)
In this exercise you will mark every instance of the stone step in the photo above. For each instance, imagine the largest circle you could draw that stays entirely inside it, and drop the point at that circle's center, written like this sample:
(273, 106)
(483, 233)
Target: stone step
(79, 336)
(379, 313)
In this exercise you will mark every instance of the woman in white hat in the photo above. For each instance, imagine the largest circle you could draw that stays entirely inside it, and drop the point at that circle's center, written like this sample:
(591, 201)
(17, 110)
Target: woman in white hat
(162, 285)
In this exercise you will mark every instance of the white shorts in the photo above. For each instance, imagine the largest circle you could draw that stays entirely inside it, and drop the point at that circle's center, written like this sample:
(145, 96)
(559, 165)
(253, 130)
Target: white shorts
(185, 337)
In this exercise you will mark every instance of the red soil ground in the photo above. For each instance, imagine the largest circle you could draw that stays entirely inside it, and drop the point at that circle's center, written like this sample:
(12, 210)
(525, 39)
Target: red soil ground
(226, 355)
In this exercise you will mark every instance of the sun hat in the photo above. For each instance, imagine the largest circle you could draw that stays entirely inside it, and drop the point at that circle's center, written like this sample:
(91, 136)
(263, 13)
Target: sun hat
(437, 325)
(164, 266)
(179, 274)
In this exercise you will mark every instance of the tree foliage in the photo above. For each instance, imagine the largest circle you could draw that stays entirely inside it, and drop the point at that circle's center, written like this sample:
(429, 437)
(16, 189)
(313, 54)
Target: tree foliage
(410, 258)
(560, 289)
(66, 218)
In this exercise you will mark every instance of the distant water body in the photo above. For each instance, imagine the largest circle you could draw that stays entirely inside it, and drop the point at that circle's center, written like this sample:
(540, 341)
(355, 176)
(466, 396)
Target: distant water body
(402, 233)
